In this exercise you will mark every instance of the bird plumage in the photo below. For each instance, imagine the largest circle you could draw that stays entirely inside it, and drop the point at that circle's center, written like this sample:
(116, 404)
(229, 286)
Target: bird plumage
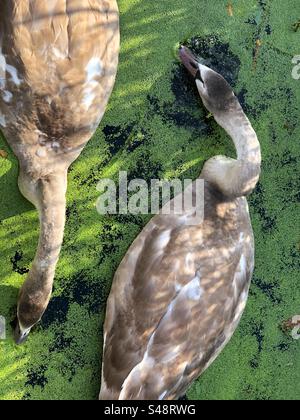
(58, 62)
(64, 57)
(182, 287)
(173, 297)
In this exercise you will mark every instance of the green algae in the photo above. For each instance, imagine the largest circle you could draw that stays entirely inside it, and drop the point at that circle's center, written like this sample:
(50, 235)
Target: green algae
(151, 131)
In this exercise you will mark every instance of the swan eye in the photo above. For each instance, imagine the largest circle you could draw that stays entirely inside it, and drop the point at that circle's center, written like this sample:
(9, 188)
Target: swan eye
(193, 64)
(199, 77)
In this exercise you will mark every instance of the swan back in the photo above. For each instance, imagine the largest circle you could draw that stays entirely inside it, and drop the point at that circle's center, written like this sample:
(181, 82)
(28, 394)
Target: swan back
(58, 65)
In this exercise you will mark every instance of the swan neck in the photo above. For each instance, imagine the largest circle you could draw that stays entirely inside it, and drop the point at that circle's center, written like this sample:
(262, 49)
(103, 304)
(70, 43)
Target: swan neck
(236, 178)
(49, 196)
(239, 128)
(52, 210)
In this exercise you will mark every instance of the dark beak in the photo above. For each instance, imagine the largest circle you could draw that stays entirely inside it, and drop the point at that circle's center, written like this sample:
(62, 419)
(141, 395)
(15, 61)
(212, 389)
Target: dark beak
(190, 62)
(19, 337)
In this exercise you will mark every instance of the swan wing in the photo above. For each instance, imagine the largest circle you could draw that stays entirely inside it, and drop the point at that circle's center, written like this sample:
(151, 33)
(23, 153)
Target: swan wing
(176, 300)
(59, 60)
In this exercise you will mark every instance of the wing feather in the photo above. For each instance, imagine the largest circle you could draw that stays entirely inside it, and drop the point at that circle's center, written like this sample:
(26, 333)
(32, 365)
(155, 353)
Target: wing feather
(179, 349)
(65, 52)
(176, 299)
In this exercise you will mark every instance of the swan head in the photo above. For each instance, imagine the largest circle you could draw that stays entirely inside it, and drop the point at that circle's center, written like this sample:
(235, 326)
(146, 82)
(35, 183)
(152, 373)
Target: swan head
(216, 93)
(20, 333)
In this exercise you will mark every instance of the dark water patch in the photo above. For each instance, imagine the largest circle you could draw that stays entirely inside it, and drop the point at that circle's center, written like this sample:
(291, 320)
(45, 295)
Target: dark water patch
(117, 136)
(288, 159)
(288, 98)
(94, 174)
(269, 222)
(110, 237)
(80, 289)
(60, 342)
(145, 168)
(72, 212)
(36, 377)
(291, 258)
(273, 132)
(181, 114)
(268, 29)
(266, 99)
(56, 312)
(242, 97)
(291, 192)
(184, 89)
(252, 21)
(262, 397)
(183, 119)
(89, 294)
(139, 137)
(290, 125)
(70, 366)
(257, 201)
(290, 102)
(14, 319)
(256, 329)
(154, 104)
(15, 260)
(268, 289)
(283, 347)
(126, 219)
(258, 333)
(254, 363)
(263, 4)
(254, 393)
(290, 109)
(261, 105)
(108, 249)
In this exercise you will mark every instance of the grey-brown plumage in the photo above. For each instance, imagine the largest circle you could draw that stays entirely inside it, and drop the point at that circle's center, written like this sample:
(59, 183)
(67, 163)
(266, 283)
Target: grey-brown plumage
(58, 61)
(181, 289)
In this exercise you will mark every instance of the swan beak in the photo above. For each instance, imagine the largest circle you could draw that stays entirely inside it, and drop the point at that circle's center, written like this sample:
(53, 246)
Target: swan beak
(20, 335)
(190, 62)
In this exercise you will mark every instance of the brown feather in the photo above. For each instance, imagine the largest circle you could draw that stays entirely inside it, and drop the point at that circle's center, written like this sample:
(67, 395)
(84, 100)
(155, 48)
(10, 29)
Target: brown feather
(182, 287)
(158, 338)
(58, 62)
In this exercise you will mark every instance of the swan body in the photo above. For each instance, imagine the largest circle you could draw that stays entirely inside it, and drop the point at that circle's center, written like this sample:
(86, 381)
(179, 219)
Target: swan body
(181, 289)
(58, 62)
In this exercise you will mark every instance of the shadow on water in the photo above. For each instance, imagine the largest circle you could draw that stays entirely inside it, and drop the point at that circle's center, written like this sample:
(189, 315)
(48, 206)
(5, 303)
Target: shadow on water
(8, 299)
(12, 201)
